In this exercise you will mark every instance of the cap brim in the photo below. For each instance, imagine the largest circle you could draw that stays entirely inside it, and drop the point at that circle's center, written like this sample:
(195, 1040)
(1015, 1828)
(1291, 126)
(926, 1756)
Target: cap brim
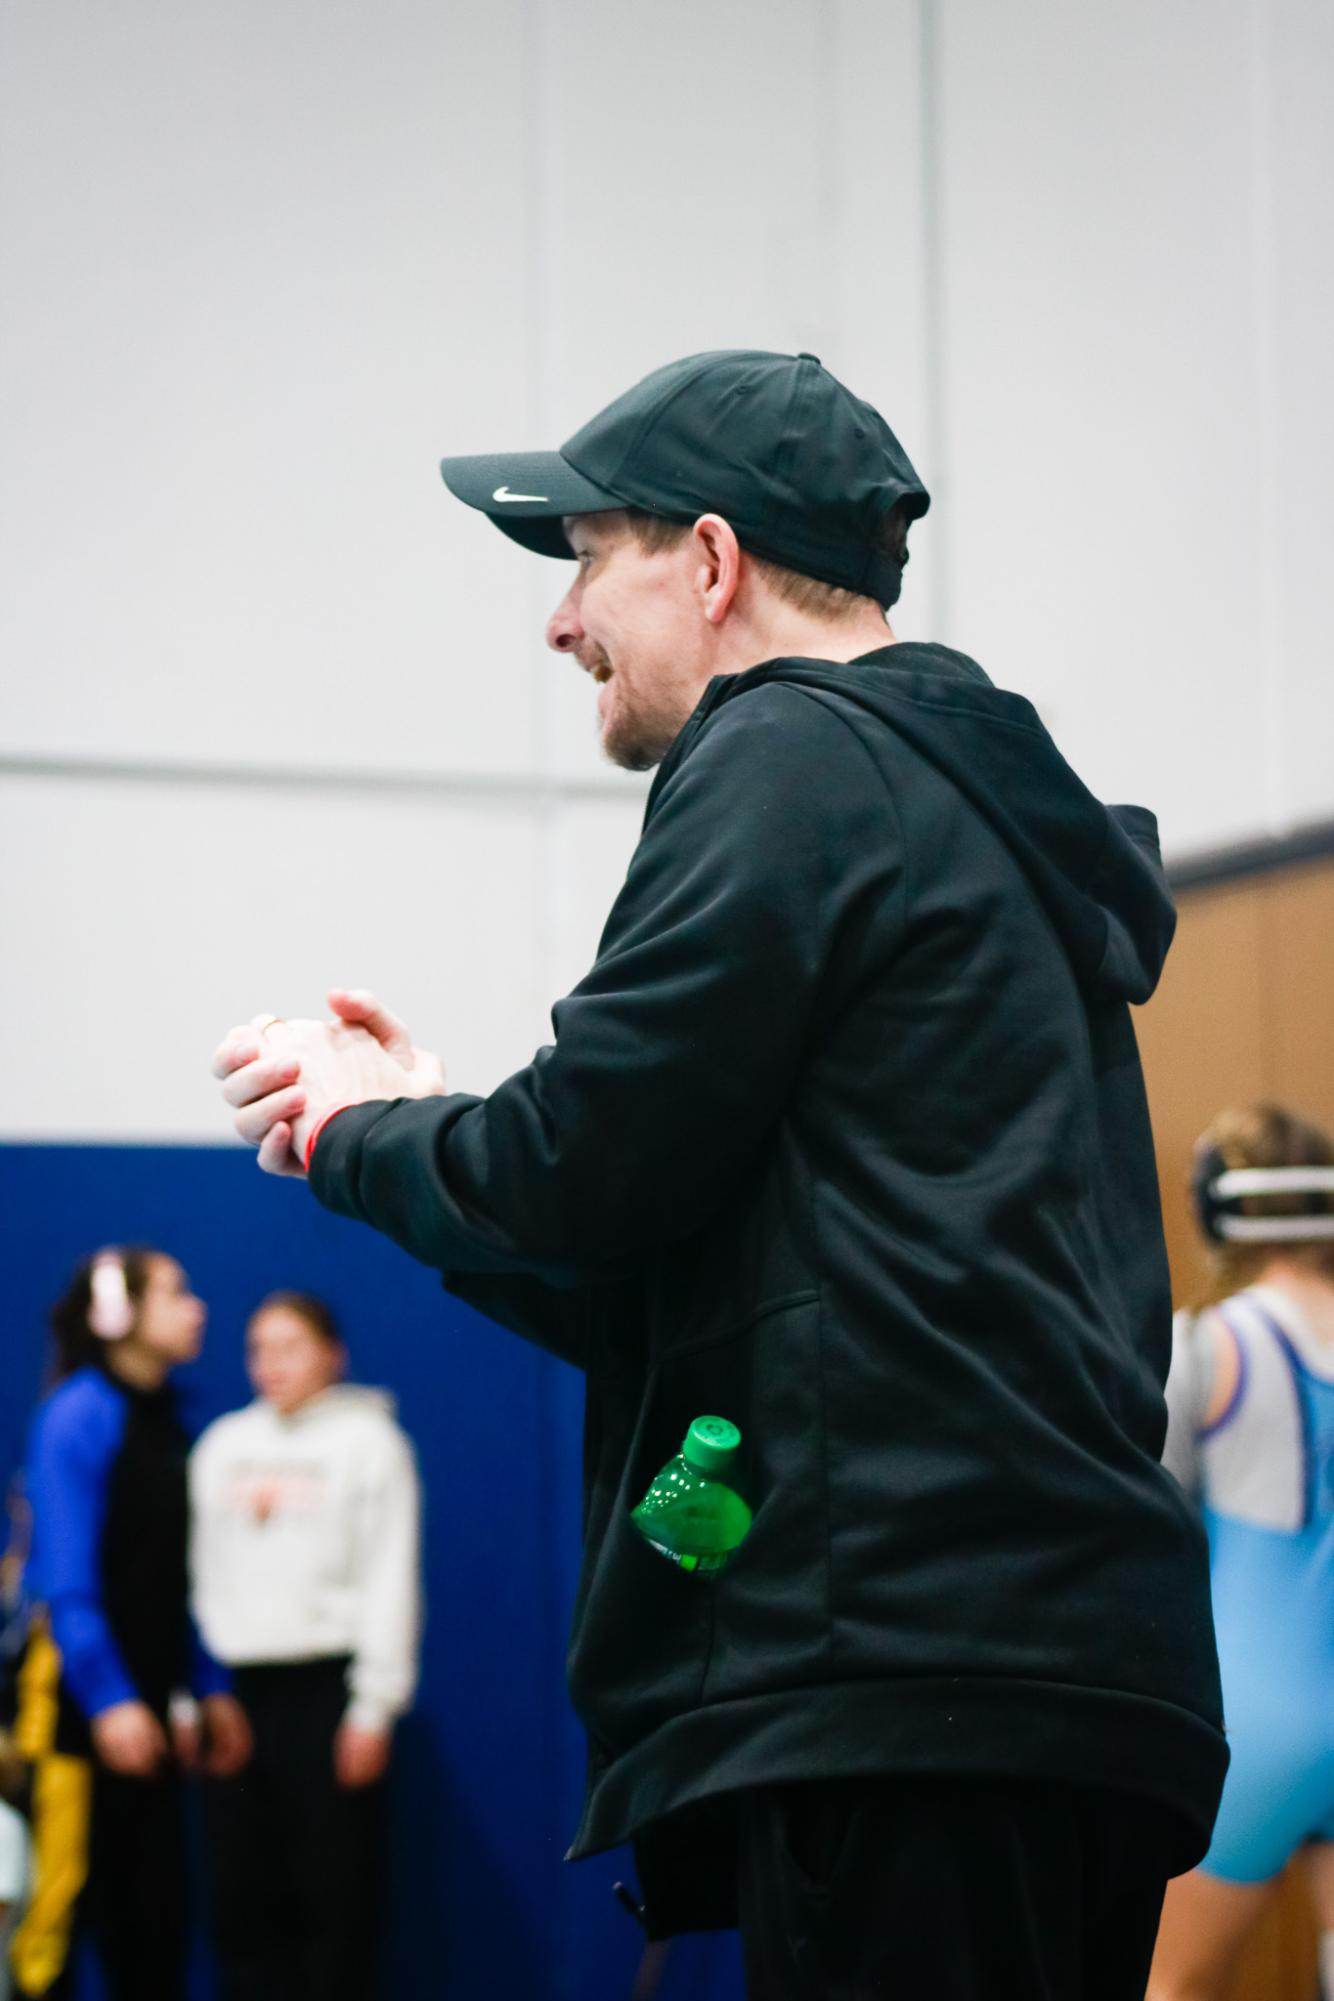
(526, 494)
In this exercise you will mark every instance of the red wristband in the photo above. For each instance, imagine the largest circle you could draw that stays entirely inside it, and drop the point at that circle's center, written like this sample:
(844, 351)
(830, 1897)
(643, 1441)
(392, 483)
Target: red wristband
(319, 1128)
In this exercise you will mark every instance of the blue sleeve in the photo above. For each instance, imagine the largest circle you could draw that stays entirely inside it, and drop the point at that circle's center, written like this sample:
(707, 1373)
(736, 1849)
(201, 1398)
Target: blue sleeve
(207, 1676)
(75, 1438)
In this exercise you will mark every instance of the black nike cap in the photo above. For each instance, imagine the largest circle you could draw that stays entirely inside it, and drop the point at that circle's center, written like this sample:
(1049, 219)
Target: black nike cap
(803, 470)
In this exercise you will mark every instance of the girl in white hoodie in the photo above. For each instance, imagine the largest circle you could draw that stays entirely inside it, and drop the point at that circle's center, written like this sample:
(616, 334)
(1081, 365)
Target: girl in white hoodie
(305, 1578)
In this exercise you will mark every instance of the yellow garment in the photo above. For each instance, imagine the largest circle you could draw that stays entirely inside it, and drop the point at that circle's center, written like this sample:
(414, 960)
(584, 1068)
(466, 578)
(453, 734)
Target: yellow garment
(62, 1799)
(62, 1803)
(38, 1694)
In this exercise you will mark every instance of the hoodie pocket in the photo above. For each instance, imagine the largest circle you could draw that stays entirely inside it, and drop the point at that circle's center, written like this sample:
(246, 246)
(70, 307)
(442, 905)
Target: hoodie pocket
(653, 1641)
(641, 1639)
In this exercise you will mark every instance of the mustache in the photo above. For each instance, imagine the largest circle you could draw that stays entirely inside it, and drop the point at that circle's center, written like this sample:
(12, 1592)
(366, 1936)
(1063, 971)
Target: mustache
(592, 656)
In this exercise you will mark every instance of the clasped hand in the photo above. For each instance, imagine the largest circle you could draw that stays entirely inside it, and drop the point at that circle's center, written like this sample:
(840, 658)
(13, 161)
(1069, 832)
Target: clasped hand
(284, 1077)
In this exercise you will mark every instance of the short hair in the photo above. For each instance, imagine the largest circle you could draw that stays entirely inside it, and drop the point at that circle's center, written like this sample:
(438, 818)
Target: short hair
(811, 595)
(1269, 1135)
(318, 1316)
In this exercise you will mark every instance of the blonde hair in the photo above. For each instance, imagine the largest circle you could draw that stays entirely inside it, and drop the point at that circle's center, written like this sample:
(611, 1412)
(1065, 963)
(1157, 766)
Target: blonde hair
(1268, 1136)
(810, 595)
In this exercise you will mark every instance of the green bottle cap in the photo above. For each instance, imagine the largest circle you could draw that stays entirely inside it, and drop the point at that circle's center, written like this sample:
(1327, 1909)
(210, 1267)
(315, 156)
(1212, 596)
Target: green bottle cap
(711, 1445)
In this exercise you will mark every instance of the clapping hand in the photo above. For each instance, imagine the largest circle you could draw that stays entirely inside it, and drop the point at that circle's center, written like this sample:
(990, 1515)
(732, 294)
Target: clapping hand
(283, 1078)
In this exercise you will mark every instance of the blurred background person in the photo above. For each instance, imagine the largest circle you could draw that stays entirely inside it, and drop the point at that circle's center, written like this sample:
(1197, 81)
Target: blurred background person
(110, 1642)
(305, 1572)
(1251, 1434)
(15, 1845)
(14, 1869)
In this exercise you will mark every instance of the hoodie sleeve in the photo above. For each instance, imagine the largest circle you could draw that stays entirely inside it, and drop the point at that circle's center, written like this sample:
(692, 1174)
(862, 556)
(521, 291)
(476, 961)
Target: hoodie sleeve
(75, 1439)
(383, 1675)
(675, 1057)
(553, 1317)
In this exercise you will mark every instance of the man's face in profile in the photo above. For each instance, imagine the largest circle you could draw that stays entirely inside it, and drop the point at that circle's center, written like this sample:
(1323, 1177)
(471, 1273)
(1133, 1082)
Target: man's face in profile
(629, 619)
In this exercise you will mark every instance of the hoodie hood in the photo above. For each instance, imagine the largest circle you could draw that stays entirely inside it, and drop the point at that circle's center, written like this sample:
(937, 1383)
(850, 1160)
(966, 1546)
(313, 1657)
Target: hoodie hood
(335, 1403)
(1097, 869)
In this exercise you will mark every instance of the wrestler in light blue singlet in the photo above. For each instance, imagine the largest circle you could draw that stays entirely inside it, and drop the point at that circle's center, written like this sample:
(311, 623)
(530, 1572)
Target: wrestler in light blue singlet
(1271, 1538)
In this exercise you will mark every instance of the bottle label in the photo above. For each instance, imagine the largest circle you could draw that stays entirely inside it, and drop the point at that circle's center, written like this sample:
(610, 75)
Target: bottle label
(704, 1566)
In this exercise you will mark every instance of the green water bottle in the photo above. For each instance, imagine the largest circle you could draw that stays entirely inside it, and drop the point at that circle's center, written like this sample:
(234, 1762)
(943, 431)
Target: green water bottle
(690, 1514)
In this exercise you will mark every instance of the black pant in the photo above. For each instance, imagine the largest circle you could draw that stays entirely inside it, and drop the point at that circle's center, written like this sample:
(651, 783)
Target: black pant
(133, 1903)
(945, 1889)
(296, 1861)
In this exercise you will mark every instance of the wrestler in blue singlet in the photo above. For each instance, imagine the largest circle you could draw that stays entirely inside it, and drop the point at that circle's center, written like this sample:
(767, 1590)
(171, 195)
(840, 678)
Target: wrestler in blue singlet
(1264, 1472)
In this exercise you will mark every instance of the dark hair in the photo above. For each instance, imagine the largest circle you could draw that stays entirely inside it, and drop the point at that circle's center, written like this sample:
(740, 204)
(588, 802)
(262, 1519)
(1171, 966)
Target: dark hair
(317, 1316)
(77, 1347)
(806, 594)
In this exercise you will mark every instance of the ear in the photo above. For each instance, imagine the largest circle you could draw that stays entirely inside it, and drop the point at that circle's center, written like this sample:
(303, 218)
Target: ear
(718, 566)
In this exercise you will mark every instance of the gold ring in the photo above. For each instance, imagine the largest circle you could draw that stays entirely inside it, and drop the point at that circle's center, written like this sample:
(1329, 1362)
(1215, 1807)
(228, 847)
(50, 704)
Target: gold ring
(266, 1022)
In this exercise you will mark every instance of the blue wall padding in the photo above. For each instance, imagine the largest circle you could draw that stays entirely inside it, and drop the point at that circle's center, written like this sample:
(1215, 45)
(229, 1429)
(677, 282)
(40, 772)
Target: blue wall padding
(490, 1765)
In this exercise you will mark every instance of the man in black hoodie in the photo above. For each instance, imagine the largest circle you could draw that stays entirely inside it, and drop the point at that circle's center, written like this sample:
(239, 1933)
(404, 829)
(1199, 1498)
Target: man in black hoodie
(843, 1137)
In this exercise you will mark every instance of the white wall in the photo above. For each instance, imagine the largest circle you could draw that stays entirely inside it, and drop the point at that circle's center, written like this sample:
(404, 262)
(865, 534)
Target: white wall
(275, 710)
(1138, 309)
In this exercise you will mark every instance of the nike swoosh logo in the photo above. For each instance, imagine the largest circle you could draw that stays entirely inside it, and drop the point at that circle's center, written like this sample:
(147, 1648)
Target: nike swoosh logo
(503, 493)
